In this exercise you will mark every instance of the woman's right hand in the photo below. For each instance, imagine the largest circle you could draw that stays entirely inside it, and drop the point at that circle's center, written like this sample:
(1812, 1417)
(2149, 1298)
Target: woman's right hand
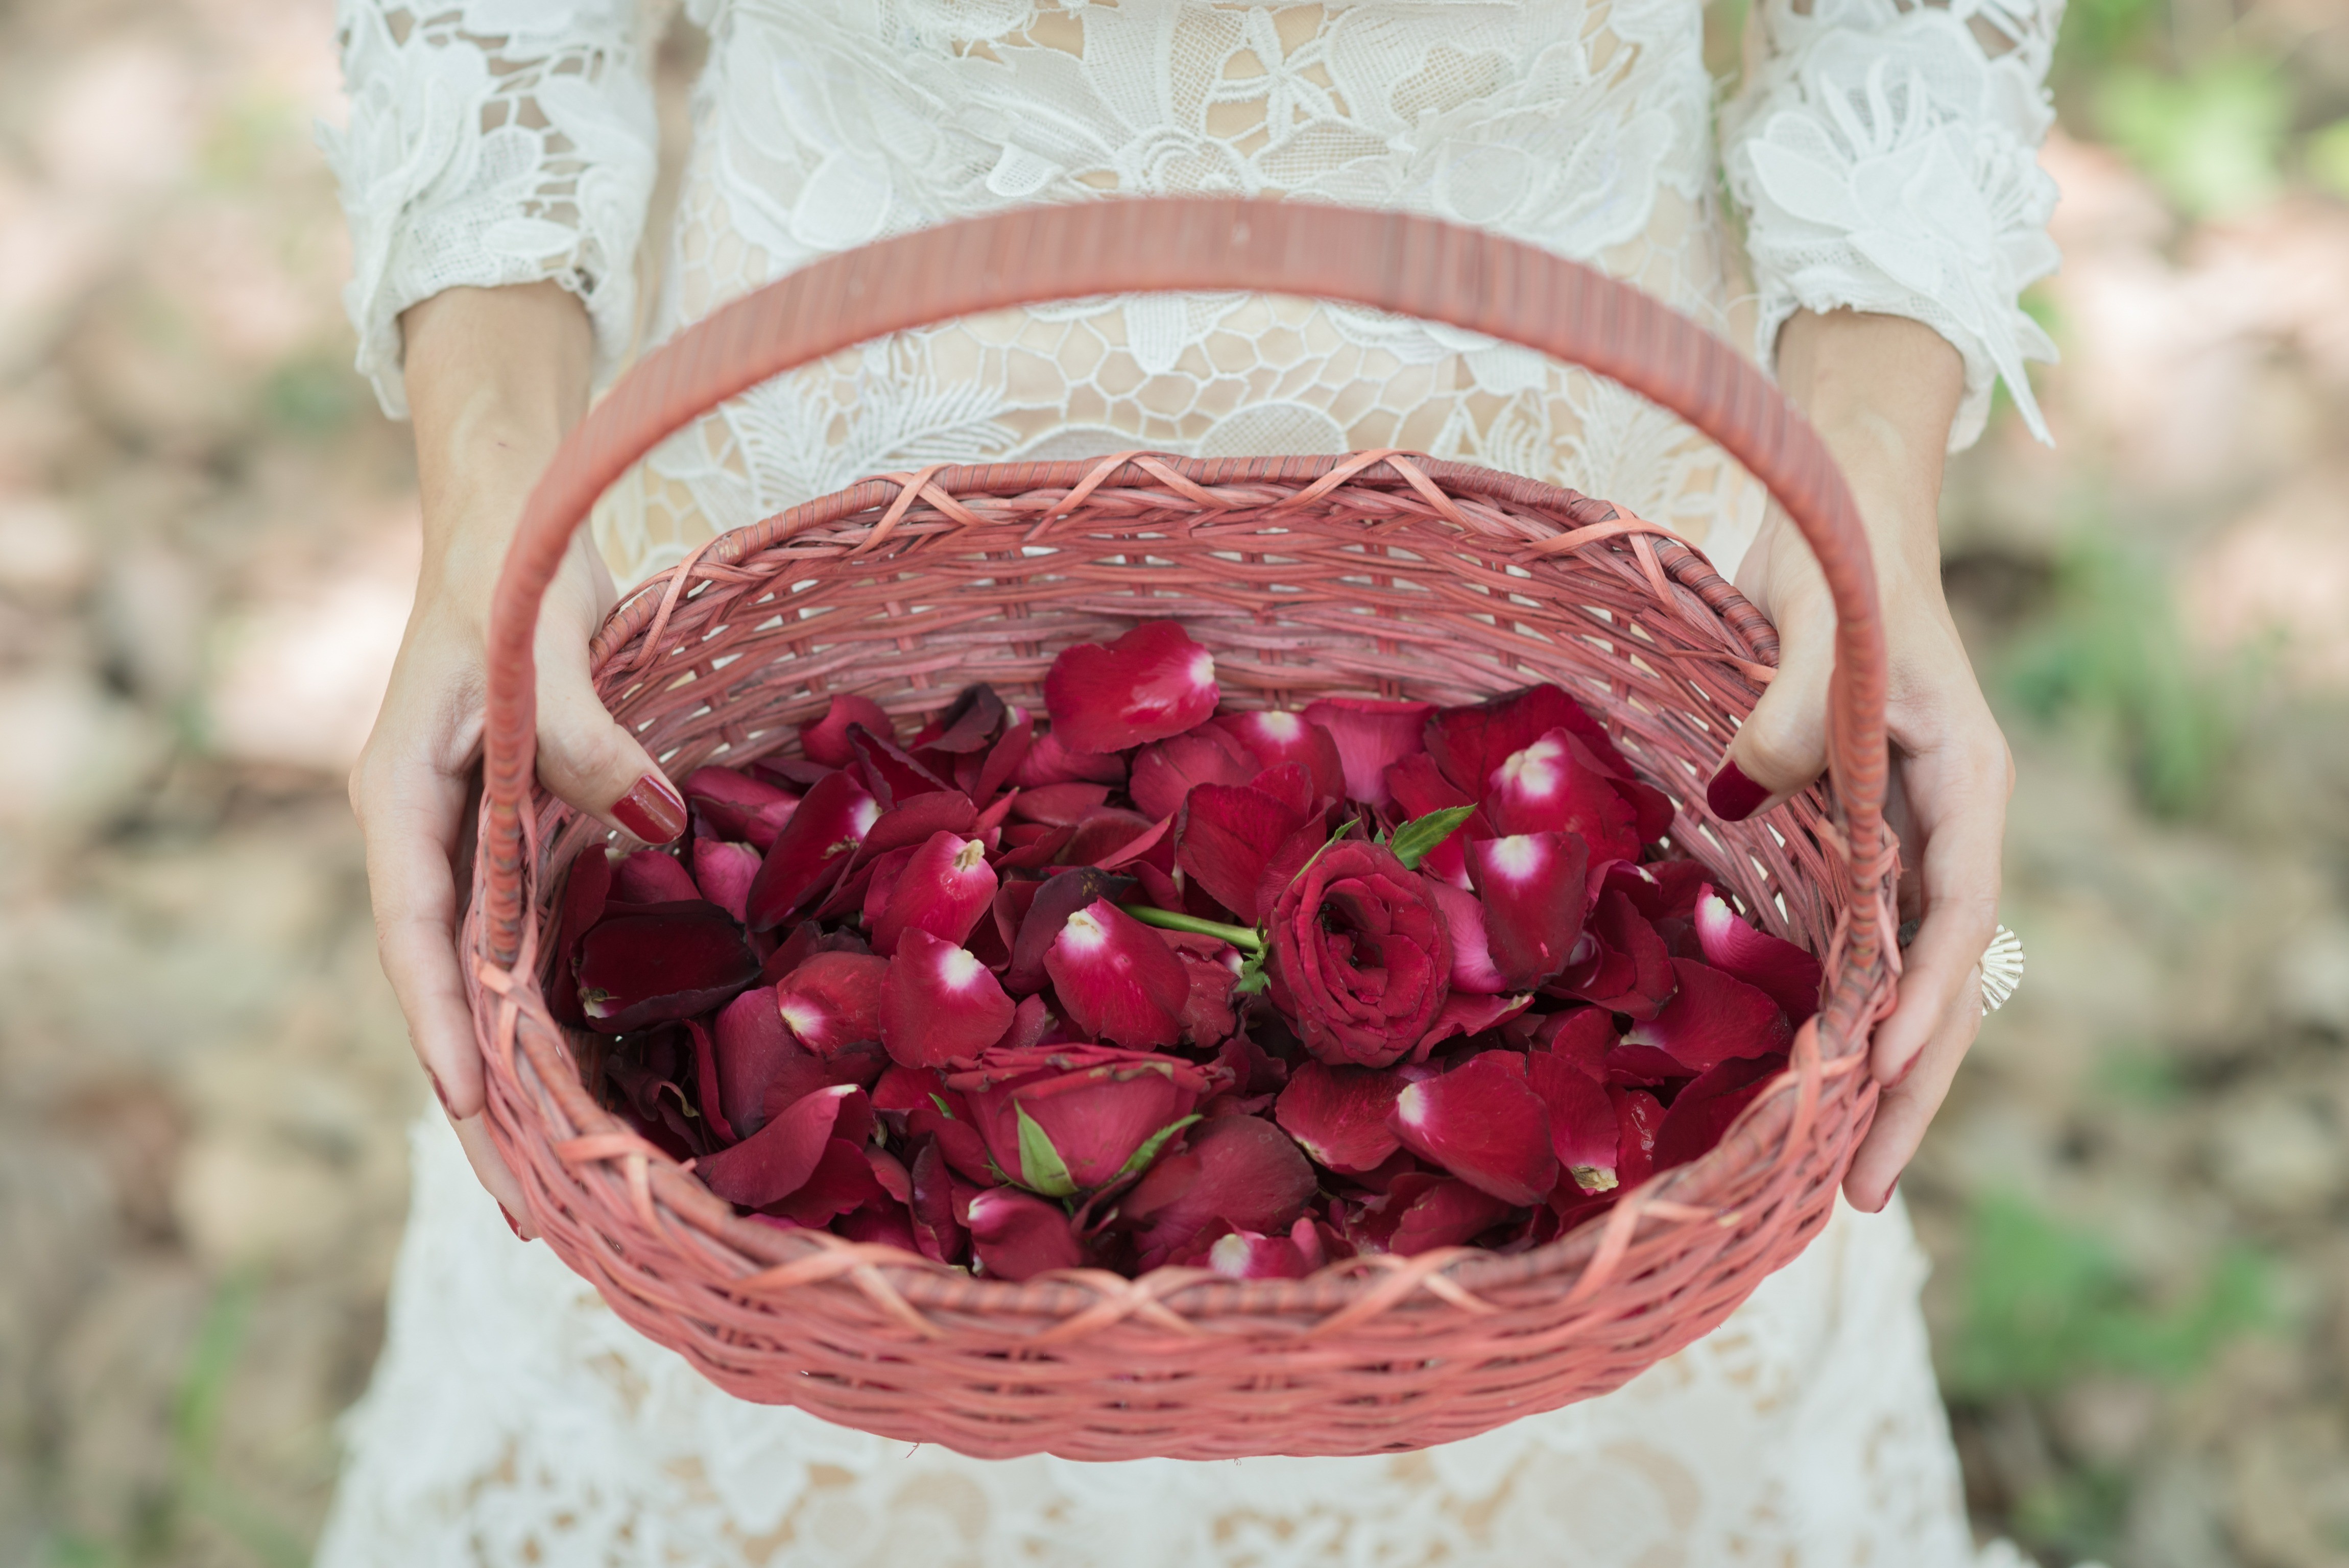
(495, 377)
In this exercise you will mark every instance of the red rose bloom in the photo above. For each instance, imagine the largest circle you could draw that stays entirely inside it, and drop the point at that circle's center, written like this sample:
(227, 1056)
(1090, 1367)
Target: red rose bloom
(1359, 956)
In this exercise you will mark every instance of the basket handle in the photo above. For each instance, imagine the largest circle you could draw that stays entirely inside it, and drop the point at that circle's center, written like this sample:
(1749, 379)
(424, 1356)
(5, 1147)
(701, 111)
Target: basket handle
(1411, 265)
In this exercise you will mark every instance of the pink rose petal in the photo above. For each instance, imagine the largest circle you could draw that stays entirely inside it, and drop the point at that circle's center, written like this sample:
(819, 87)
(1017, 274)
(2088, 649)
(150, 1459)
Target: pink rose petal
(724, 873)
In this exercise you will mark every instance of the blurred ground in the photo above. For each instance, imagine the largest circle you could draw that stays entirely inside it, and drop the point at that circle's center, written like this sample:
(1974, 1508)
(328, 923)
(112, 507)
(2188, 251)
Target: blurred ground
(206, 542)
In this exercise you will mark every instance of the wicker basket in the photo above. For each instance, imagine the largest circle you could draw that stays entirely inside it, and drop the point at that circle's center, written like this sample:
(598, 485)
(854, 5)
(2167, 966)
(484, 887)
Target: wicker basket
(1372, 575)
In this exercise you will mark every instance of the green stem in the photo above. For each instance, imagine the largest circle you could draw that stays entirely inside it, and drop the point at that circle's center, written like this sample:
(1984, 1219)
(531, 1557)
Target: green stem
(1245, 938)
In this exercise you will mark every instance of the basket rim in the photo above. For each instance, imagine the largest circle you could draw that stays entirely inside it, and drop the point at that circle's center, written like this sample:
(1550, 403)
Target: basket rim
(1786, 1106)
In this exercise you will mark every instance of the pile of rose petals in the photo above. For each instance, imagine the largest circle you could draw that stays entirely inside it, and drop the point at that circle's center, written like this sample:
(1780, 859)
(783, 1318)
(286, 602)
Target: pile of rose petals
(1160, 983)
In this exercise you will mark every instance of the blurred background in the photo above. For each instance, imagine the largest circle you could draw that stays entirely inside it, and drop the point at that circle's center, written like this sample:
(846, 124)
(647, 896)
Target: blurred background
(207, 540)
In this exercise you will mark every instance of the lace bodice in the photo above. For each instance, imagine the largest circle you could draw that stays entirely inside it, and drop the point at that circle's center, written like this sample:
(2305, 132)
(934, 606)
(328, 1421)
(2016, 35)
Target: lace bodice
(1883, 154)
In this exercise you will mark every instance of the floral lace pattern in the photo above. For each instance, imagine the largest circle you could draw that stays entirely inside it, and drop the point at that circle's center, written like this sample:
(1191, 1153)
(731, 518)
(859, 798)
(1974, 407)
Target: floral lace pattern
(514, 1419)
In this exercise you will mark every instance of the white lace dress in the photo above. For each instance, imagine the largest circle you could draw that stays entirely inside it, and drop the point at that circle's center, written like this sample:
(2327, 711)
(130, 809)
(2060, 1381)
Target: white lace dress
(1882, 156)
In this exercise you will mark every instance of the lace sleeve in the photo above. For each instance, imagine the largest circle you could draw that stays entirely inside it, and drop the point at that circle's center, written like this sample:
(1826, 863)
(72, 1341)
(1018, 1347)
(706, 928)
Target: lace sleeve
(491, 142)
(1885, 154)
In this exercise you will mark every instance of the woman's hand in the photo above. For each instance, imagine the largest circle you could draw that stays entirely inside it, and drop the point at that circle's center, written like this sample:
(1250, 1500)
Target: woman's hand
(1882, 390)
(495, 377)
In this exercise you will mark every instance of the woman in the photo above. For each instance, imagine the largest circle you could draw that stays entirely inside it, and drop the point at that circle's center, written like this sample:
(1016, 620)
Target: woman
(497, 173)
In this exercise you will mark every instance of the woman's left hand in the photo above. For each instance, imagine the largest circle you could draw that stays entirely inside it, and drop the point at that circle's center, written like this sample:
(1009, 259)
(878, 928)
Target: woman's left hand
(1881, 391)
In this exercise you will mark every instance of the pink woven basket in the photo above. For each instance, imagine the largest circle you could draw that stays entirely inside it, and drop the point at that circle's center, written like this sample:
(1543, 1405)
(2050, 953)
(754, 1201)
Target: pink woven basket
(1375, 574)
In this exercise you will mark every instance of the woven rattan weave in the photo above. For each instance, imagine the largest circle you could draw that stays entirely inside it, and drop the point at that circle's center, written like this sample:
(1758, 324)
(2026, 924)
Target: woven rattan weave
(1375, 574)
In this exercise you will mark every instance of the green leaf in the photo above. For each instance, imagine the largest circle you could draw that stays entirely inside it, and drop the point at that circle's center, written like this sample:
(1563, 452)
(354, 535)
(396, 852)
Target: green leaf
(940, 1101)
(1416, 838)
(1253, 978)
(1041, 1169)
(1139, 1160)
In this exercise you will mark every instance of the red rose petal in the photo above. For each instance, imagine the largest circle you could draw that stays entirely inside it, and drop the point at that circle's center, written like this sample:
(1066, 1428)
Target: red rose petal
(825, 740)
(956, 1136)
(1051, 761)
(879, 1224)
(1469, 742)
(1106, 835)
(584, 894)
(1116, 979)
(1018, 1235)
(1059, 805)
(833, 1000)
(1167, 771)
(1049, 904)
(889, 770)
(1700, 1113)
(1464, 1013)
(653, 876)
(1712, 1018)
(938, 1235)
(1773, 966)
(1424, 1212)
(1290, 785)
(1583, 1131)
(777, 1159)
(1480, 1122)
(938, 1004)
(1238, 1169)
(1582, 1037)
(968, 724)
(1338, 1115)
(1245, 1255)
(707, 1092)
(1274, 738)
(1661, 890)
(1637, 1117)
(755, 1054)
(1531, 885)
(1371, 737)
(724, 873)
(1096, 1120)
(1623, 965)
(827, 829)
(657, 961)
(916, 821)
(1225, 839)
(842, 1179)
(735, 806)
(1004, 757)
(1151, 683)
(1473, 973)
(1546, 788)
(944, 889)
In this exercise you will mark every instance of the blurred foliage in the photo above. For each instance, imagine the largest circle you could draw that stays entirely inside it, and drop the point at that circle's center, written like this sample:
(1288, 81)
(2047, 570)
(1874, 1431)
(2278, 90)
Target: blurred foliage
(2045, 1302)
(2213, 138)
(2110, 653)
(195, 1491)
(2325, 155)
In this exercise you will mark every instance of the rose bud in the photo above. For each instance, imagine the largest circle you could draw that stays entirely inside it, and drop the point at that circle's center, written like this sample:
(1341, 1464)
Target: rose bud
(1151, 683)
(1531, 885)
(1165, 772)
(1547, 788)
(1225, 838)
(829, 825)
(724, 873)
(1359, 957)
(1064, 1132)
(737, 807)
(1711, 1019)
(1778, 968)
(1245, 1255)
(1582, 1127)
(1700, 1113)
(1371, 737)
(942, 889)
(653, 876)
(1482, 1123)
(1273, 738)
(825, 740)
(1338, 1115)
(1118, 981)
(777, 1161)
(1018, 1235)
(833, 999)
(1238, 1169)
(653, 962)
(938, 1004)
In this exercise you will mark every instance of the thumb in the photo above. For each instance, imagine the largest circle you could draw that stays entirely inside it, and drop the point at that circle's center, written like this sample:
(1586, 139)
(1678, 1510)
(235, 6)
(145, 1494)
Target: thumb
(1783, 744)
(589, 761)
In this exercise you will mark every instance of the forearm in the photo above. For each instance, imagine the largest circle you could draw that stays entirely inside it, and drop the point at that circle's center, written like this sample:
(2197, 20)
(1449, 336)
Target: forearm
(496, 377)
(1881, 390)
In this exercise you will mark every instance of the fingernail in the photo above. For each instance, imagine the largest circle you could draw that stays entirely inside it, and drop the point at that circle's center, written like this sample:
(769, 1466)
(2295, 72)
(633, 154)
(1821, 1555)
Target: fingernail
(1907, 1068)
(509, 1218)
(1732, 795)
(651, 810)
(438, 1093)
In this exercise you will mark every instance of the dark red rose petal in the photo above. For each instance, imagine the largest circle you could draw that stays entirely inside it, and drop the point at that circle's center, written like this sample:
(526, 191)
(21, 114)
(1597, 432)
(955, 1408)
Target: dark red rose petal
(1700, 1113)
(833, 999)
(1424, 1212)
(1580, 1035)
(1095, 1122)
(1276, 738)
(1583, 1131)
(1151, 683)
(1711, 1019)
(1371, 736)
(888, 770)
(827, 829)
(707, 1092)
(879, 1224)
(777, 1161)
(1338, 1115)
(1166, 771)
(1059, 805)
(842, 1179)
(1241, 1170)
(1773, 966)
(1482, 1123)
(653, 962)
(1531, 885)
(724, 873)
(825, 740)
(1637, 1117)
(938, 1235)
(1225, 839)
(1018, 1235)
(957, 1135)
(938, 1004)
(1117, 979)
(653, 876)
(1049, 904)
(1624, 965)
(968, 724)
(739, 807)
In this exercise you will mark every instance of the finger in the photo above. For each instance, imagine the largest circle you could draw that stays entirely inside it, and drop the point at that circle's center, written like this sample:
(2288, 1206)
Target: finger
(583, 756)
(411, 820)
(1783, 744)
(1907, 1108)
(490, 1169)
(1958, 798)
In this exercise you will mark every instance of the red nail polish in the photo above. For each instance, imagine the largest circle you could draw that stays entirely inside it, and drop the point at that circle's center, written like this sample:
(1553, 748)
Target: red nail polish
(1732, 795)
(651, 810)
(1906, 1069)
(509, 1218)
(438, 1092)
